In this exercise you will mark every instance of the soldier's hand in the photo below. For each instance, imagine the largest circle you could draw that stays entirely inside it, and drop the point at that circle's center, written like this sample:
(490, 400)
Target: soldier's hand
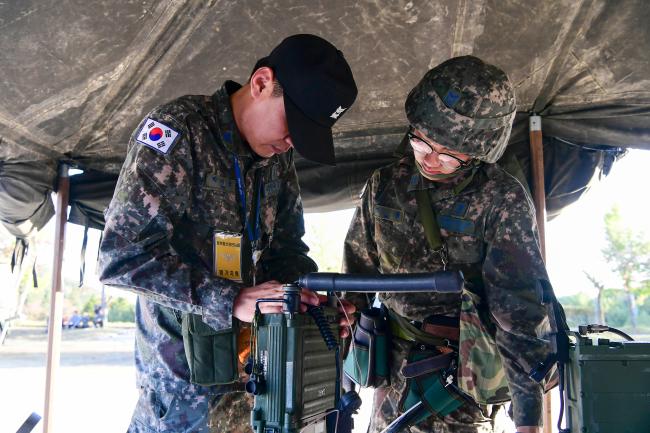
(244, 305)
(346, 310)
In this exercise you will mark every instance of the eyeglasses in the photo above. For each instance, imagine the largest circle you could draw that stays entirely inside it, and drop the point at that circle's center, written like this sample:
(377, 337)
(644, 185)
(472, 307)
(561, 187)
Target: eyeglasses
(422, 146)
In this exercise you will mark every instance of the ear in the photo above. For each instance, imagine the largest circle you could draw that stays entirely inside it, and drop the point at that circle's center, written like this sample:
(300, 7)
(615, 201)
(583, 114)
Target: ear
(262, 82)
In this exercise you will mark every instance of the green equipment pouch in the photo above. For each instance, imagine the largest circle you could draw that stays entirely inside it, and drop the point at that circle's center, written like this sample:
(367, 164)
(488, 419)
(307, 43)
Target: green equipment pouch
(367, 361)
(211, 355)
(429, 379)
(481, 374)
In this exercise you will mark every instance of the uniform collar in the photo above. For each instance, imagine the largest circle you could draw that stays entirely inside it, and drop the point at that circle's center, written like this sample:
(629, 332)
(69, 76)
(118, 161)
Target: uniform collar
(230, 136)
(419, 182)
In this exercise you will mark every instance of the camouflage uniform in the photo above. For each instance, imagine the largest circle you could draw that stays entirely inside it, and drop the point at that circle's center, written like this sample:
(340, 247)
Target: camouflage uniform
(163, 200)
(489, 229)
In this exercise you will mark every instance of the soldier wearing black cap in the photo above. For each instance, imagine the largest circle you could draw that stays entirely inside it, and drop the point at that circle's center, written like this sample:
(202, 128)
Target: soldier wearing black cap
(207, 217)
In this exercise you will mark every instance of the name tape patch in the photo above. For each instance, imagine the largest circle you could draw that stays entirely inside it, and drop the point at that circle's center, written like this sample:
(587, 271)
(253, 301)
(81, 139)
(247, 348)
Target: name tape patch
(387, 213)
(456, 225)
(157, 136)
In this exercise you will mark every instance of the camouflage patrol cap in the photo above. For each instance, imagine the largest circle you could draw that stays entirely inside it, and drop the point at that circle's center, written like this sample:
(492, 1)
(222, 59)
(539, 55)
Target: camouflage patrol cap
(465, 105)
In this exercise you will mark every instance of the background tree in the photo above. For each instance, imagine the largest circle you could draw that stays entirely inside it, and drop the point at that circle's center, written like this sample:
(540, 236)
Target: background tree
(629, 253)
(600, 313)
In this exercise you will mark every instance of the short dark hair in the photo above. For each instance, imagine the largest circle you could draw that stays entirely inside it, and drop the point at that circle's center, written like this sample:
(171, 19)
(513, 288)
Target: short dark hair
(277, 89)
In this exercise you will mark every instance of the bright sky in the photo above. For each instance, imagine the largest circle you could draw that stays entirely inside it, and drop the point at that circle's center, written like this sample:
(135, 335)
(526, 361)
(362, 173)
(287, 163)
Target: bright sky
(574, 239)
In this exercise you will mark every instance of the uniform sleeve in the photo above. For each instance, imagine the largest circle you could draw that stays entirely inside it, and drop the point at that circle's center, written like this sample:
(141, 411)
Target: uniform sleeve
(359, 249)
(137, 253)
(512, 272)
(287, 258)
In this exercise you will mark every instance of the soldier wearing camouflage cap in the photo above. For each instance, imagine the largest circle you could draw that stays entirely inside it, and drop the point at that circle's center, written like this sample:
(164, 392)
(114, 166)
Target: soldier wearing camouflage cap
(207, 218)
(483, 224)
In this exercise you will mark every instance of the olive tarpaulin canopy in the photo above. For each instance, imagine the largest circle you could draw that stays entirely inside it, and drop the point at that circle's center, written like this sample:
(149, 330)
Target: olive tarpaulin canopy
(78, 76)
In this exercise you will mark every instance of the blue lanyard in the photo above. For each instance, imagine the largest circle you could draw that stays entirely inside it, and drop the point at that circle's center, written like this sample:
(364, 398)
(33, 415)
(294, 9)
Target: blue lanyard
(253, 235)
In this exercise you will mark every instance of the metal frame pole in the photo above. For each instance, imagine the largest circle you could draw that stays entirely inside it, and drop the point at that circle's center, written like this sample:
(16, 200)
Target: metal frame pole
(56, 301)
(539, 197)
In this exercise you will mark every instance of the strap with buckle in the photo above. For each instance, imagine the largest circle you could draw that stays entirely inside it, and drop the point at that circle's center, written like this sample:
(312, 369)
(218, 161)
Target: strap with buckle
(428, 365)
(402, 328)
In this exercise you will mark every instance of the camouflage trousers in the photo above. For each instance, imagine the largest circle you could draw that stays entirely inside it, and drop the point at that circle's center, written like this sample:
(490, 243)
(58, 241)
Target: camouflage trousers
(467, 419)
(162, 412)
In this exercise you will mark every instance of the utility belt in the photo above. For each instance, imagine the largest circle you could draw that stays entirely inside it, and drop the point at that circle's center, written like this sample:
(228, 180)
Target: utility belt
(451, 361)
(430, 367)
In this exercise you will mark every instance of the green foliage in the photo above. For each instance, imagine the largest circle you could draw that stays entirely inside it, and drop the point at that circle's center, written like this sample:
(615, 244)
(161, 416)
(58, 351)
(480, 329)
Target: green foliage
(616, 308)
(627, 250)
(89, 307)
(121, 310)
(579, 309)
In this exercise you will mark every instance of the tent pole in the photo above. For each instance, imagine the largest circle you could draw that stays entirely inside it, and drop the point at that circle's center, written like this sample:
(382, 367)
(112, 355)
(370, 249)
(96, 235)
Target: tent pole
(537, 165)
(539, 197)
(56, 301)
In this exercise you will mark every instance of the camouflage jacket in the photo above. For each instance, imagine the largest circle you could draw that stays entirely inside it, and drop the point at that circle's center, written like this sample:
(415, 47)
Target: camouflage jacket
(490, 231)
(159, 227)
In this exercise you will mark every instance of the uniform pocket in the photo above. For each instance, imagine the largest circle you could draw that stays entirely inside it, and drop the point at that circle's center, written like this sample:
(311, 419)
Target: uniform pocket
(465, 249)
(211, 355)
(392, 240)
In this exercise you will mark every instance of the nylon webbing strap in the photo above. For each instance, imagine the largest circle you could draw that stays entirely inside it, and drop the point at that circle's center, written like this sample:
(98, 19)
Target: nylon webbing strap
(431, 228)
(427, 216)
(401, 328)
(461, 186)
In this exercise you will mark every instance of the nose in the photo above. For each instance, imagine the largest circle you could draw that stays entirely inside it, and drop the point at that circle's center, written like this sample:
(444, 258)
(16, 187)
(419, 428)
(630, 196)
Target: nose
(289, 143)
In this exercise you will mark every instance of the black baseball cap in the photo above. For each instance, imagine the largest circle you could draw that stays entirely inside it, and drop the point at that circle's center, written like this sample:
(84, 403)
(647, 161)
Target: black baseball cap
(318, 89)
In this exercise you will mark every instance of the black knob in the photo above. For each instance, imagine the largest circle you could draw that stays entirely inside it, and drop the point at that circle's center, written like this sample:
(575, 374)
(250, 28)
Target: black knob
(256, 385)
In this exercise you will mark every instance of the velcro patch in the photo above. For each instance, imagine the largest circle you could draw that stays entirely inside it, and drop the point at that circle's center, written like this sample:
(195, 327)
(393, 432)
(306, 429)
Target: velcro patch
(387, 213)
(459, 209)
(451, 98)
(214, 182)
(157, 136)
(456, 225)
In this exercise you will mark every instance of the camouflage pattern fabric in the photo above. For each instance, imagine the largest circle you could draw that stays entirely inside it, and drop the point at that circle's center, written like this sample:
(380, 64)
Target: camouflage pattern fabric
(481, 374)
(465, 105)
(170, 413)
(157, 240)
(490, 233)
(232, 413)
(467, 419)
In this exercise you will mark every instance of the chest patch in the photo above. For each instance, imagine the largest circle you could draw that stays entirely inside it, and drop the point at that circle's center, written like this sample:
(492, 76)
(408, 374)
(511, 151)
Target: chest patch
(456, 225)
(214, 182)
(459, 209)
(157, 136)
(390, 214)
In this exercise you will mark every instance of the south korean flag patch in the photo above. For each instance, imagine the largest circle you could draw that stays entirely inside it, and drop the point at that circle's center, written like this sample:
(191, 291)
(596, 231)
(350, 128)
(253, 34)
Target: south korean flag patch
(157, 136)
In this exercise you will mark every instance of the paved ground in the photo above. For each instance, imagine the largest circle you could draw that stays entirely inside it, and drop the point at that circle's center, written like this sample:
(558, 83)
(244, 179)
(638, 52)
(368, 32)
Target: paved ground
(96, 390)
(96, 385)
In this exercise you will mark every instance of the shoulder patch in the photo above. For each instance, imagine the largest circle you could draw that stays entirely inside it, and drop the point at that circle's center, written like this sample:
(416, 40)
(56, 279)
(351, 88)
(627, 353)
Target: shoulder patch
(387, 213)
(157, 136)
